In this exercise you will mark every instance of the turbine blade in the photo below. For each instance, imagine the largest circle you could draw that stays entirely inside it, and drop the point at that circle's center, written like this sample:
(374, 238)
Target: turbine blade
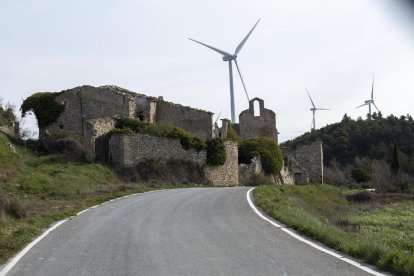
(212, 48)
(241, 77)
(310, 98)
(376, 106)
(218, 117)
(372, 90)
(245, 39)
(361, 105)
(322, 109)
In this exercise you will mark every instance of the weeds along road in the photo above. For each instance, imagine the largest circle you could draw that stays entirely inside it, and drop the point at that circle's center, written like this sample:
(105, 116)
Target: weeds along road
(200, 231)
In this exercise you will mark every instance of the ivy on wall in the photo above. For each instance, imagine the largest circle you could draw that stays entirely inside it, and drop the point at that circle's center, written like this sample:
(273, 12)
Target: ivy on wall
(269, 151)
(216, 152)
(44, 107)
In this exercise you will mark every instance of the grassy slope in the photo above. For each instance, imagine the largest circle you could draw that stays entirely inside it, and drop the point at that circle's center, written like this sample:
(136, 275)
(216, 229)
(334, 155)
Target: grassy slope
(49, 188)
(380, 231)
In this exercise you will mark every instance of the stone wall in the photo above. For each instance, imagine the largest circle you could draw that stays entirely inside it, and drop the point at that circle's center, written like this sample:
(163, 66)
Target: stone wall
(253, 174)
(197, 121)
(88, 102)
(129, 150)
(95, 140)
(7, 129)
(13, 130)
(227, 174)
(310, 158)
(252, 126)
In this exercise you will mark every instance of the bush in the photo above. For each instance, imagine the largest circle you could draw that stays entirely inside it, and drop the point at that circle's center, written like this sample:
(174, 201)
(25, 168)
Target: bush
(125, 131)
(269, 151)
(363, 196)
(44, 106)
(12, 207)
(216, 152)
(362, 171)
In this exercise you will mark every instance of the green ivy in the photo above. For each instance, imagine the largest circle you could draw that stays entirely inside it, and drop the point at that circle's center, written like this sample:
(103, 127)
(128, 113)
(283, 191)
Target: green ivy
(44, 106)
(269, 151)
(216, 152)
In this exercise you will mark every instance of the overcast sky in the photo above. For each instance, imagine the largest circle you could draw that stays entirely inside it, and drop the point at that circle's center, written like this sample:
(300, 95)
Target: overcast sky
(330, 47)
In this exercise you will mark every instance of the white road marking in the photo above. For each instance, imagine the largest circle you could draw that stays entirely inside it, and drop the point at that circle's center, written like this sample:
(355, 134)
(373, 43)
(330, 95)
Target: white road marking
(302, 239)
(10, 265)
(20, 255)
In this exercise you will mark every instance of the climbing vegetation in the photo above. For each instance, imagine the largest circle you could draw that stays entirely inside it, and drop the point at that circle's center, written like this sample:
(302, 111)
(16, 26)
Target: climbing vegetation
(216, 152)
(269, 151)
(44, 106)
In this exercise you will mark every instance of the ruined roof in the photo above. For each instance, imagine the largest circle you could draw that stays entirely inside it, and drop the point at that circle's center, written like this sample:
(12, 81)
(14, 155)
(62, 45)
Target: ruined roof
(131, 94)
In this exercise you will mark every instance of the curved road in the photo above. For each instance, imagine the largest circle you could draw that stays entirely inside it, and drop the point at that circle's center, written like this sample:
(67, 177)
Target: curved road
(203, 231)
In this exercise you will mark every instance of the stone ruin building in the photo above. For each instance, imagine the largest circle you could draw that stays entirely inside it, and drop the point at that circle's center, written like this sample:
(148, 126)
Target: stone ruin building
(257, 122)
(90, 112)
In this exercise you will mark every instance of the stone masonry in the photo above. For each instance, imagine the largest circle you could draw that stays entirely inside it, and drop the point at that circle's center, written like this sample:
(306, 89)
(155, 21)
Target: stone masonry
(309, 158)
(128, 151)
(227, 174)
(263, 125)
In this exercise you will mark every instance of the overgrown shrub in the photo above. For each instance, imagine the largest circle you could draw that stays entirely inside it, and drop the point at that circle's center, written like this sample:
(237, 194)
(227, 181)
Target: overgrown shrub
(125, 131)
(269, 151)
(216, 152)
(44, 106)
(12, 206)
(363, 196)
(232, 134)
(362, 171)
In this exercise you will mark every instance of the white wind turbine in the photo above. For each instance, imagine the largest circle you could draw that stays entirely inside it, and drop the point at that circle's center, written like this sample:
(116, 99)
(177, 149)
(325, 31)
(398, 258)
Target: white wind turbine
(313, 109)
(232, 57)
(371, 101)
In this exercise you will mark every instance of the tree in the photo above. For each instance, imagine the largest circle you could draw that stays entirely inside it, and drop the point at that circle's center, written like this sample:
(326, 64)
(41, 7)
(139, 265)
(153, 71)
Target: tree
(395, 162)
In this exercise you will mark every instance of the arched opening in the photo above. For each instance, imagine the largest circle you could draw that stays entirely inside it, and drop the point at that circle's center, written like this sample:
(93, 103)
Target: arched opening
(256, 108)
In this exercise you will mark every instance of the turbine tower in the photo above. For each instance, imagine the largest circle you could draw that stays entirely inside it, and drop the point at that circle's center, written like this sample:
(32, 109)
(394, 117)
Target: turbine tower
(232, 57)
(371, 101)
(313, 109)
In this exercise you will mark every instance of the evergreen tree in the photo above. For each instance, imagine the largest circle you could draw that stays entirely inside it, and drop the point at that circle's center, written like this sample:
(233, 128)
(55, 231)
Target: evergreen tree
(395, 162)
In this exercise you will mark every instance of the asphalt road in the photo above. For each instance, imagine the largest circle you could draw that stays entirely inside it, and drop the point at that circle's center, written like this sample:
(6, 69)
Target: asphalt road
(203, 231)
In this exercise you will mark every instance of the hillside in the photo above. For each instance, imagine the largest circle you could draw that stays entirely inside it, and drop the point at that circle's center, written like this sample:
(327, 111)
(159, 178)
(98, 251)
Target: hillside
(36, 191)
(373, 139)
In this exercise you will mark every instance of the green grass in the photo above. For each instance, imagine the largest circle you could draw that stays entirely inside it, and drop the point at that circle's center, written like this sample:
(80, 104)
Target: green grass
(380, 231)
(50, 188)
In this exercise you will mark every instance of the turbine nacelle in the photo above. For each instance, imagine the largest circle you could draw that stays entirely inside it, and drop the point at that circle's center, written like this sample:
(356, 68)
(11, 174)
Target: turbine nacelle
(229, 58)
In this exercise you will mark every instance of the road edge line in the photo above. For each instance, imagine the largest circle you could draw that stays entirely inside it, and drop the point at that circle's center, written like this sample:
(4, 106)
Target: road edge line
(20, 255)
(8, 266)
(304, 240)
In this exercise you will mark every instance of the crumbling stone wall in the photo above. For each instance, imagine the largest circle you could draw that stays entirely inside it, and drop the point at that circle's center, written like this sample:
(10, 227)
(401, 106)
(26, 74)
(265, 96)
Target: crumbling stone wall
(87, 102)
(130, 150)
(253, 174)
(252, 126)
(293, 173)
(7, 129)
(227, 174)
(95, 139)
(13, 130)
(310, 158)
(197, 121)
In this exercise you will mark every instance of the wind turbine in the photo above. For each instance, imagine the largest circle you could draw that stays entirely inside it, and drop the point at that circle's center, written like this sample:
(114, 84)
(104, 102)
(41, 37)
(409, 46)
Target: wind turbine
(313, 109)
(371, 101)
(232, 57)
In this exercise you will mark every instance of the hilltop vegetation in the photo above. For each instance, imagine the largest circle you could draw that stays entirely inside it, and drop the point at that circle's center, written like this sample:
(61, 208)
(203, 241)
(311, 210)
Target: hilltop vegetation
(367, 145)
